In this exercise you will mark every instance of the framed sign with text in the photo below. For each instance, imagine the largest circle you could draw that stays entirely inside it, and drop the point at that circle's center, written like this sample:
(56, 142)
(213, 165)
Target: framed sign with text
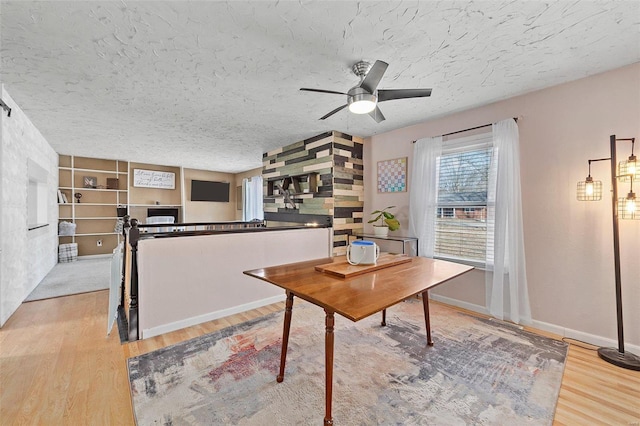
(154, 179)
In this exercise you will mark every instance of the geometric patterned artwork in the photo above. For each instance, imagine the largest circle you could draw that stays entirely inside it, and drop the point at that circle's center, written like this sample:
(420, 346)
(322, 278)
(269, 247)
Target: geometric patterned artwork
(392, 175)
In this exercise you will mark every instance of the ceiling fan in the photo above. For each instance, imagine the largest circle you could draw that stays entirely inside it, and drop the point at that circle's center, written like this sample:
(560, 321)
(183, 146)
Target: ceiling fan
(364, 97)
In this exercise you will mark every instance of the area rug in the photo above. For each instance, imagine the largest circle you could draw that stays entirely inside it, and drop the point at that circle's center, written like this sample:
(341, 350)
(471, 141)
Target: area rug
(81, 276)
(478, 372)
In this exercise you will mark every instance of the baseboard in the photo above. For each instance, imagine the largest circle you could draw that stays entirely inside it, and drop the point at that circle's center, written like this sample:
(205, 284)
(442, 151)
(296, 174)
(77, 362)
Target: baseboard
(188, 322)
(540, 325)
(94, 256)
(543, 326)
(582, 336)
(459, 304)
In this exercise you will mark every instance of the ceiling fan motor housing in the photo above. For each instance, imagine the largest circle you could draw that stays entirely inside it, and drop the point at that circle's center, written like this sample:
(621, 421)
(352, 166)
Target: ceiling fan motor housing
(361, 68)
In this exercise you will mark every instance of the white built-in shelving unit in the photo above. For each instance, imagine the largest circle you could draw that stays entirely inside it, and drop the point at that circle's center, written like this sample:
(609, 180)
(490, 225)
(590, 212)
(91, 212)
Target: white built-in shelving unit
(103, 185)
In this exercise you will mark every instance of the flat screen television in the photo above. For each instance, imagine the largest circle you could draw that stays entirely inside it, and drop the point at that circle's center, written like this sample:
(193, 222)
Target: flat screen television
(202, 190)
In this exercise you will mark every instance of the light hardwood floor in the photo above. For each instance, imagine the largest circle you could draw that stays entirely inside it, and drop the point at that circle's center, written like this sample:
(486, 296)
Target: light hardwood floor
(58, 367)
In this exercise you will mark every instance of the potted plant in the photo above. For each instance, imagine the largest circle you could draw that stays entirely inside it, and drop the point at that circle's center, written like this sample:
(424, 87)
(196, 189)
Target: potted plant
(388, 221)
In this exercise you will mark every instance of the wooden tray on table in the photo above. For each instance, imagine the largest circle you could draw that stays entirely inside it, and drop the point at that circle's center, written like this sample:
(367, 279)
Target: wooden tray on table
(344, 269)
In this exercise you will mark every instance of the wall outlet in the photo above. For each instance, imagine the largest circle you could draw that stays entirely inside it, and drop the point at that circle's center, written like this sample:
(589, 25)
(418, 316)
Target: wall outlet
(99, 243)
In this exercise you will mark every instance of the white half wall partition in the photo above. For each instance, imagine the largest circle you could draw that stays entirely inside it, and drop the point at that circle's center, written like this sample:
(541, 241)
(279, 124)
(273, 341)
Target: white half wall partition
(188, 280)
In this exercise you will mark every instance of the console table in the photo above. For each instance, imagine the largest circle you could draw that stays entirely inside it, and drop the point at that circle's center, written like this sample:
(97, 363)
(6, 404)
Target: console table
(404, 240)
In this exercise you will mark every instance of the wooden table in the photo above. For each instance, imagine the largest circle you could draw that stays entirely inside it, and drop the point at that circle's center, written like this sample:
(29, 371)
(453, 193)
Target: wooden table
(355, 298)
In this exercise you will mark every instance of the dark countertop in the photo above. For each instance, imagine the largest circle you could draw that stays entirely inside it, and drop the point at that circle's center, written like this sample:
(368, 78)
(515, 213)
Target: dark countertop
(174, 234)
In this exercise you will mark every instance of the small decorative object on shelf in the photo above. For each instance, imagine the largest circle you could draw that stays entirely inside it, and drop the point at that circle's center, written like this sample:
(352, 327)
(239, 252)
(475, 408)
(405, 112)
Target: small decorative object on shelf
(78, 196)
(90, 181)
(388, 221)
(297, 184)
(112, 183)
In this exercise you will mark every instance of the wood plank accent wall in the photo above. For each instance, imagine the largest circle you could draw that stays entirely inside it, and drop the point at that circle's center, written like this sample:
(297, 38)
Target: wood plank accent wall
(337, 159)
(348, 190)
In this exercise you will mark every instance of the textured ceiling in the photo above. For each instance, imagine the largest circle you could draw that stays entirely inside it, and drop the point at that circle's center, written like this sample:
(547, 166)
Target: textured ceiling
(212, 85)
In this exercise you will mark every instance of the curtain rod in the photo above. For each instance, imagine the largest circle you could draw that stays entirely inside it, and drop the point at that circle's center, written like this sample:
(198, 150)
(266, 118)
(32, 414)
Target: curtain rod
(469, 129)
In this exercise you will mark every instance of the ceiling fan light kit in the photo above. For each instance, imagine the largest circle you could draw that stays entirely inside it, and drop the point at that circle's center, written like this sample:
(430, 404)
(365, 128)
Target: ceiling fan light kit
(364, 97)
(360, 101)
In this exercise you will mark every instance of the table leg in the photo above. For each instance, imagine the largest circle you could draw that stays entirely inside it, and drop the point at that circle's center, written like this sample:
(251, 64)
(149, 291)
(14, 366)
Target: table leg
(384, 318)
(328, 362)
(427, 321)
(285, 335)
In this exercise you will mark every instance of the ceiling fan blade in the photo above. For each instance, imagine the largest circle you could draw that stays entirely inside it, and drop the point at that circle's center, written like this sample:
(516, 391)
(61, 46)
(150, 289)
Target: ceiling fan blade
(322, 91)
(374, 76)
(377, 115)
(334, 111)
(388, 95)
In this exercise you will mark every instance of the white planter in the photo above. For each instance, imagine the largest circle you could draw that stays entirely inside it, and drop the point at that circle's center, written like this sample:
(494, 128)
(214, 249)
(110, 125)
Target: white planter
(380, 231)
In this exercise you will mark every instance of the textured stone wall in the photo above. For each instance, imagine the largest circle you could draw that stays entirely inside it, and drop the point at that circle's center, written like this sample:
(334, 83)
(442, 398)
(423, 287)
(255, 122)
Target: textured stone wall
(26, 256)
(336, 158)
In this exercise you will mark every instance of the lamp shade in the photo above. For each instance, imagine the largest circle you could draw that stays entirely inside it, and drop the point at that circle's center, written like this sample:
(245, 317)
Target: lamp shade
(628, 207)
(589, 190)
(629, 169)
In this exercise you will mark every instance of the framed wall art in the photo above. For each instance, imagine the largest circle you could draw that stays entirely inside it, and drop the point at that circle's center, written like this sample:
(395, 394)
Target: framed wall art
(154, 179)
(392, 175)
(89, 182)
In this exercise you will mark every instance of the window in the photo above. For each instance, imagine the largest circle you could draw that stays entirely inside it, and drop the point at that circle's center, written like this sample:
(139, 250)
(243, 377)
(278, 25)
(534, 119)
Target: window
(462, 209)
(37, 211)
(461, 215)
(252, 199)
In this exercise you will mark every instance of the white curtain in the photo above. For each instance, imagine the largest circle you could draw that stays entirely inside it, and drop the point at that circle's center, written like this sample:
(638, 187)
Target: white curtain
(507, 294)
(252, 199)
(423, 193)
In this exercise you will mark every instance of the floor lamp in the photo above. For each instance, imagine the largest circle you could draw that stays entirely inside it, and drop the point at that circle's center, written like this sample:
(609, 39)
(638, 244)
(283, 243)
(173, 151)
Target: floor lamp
(622, 208)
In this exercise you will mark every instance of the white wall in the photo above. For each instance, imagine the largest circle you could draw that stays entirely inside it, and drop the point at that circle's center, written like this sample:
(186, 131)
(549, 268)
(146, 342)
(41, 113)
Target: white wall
(27, 256)
(185, 281)
(569, 244)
